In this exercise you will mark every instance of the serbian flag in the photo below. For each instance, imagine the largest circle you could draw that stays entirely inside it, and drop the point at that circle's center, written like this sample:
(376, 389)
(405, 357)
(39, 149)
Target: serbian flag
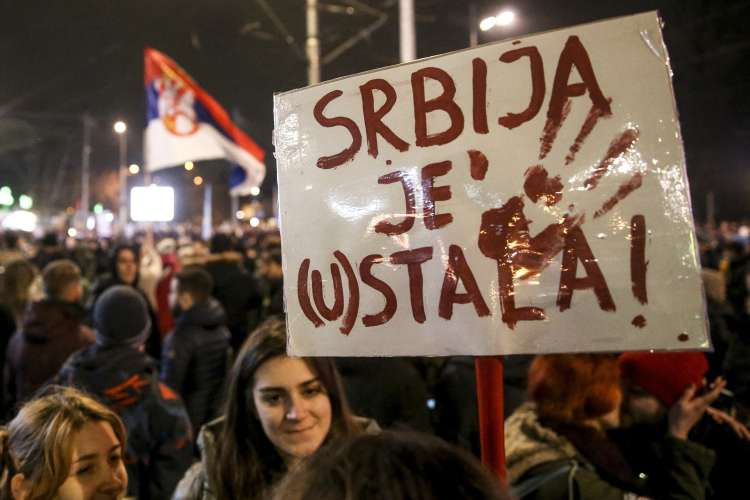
(187, 124)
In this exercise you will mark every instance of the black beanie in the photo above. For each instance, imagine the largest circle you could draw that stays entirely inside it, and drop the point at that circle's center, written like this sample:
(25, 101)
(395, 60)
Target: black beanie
(121, 317)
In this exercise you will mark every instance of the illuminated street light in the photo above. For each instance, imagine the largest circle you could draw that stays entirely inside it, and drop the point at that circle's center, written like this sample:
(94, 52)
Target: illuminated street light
(98, 208)
(240, 214)
(197, 180)
(189, 166)
(25, 202)
(134, 169)
(255, 222)
(506, 18)
(120, 128)
(488, 23)
(255, 190)
(503, 19)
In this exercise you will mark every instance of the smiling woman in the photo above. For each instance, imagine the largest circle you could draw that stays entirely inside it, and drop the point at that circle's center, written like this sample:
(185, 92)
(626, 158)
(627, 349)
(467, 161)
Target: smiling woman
(279, 411)
(63, 445)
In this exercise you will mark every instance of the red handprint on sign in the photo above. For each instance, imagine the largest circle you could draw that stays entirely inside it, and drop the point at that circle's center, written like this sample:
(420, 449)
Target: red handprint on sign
(504, 232)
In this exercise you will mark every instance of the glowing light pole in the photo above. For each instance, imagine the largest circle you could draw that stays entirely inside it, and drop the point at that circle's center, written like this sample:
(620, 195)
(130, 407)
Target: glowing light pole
(121, 129)
(504, 19)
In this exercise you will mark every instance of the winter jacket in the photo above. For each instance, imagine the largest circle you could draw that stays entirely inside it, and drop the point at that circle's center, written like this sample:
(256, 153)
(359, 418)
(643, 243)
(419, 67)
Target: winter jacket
(159, 443)
(236, 290)
(51, 331)
(549, 467)
(196, 358)
(195, 484)
(389, 390)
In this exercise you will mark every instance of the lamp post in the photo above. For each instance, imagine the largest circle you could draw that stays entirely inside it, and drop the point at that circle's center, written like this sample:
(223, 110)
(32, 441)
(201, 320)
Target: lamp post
(121, 129)
(504, 19)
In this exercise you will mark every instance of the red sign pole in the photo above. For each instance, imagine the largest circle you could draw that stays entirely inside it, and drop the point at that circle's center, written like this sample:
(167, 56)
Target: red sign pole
(489, 373)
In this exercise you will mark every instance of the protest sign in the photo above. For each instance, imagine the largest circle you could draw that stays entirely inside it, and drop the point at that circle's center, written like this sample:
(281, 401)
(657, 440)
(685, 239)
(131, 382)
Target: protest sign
(525, 196)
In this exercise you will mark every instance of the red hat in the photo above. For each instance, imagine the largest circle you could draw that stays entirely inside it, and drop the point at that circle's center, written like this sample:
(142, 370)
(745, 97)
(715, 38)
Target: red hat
(665, 375)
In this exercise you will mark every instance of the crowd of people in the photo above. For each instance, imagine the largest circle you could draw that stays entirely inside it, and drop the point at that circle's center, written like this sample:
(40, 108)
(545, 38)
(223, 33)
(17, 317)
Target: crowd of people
(156, 368)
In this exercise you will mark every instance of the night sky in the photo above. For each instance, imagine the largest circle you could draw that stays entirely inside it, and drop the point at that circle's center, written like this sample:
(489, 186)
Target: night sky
(62, 59)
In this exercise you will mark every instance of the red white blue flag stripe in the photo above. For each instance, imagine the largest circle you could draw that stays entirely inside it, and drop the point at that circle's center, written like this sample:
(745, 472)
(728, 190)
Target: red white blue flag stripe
(186, 124)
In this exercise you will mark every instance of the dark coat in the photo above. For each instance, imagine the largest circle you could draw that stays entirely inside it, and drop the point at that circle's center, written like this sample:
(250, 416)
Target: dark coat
(159, 446)
(237, 292)
(50, 332)
(196, 358)
(389, 390)
(598, 466)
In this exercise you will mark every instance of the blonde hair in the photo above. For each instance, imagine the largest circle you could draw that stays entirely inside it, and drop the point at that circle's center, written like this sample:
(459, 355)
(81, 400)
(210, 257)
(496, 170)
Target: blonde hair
(37, 442)
(18, 280)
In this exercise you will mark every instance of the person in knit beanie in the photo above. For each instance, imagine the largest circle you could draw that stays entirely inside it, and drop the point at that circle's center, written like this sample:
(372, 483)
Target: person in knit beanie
(664, 375)
(118, 371)
(121, 318)
(663, 389)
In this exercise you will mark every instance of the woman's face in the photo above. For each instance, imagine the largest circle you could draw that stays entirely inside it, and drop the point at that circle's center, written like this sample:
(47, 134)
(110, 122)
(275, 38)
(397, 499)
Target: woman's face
(126, 266)
(293, 407)
(97, 471)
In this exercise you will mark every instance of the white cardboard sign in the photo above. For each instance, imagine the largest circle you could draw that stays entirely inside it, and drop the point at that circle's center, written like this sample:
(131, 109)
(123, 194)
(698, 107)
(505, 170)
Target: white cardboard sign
(525, 196)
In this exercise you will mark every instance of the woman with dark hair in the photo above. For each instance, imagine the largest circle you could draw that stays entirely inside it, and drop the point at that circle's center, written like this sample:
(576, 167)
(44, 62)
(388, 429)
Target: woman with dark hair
(392, 465)
(278, 411)
(565, 443)
(125, 270)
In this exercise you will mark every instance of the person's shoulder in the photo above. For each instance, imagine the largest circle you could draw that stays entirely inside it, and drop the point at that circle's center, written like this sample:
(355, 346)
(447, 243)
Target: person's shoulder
(193, 485)
(366, 425)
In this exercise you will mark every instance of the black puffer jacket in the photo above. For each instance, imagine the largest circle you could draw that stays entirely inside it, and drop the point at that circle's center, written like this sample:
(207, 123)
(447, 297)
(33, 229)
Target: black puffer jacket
(196, 358)
(159, 448)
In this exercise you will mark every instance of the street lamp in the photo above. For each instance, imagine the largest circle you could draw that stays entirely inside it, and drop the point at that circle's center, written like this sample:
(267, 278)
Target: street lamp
(504, 19)
(120, 129)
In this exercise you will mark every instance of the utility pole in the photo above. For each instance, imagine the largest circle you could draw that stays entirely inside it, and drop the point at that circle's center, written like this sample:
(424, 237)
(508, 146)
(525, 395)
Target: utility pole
(123, 176)
(312, 45)
(711, 210)
(88, 123)
(207, 226)
(473, 33)
(407, 30)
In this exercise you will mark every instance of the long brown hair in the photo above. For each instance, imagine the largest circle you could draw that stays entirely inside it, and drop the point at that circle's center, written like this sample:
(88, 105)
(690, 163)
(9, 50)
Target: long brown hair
(37, 442)
(245, 462)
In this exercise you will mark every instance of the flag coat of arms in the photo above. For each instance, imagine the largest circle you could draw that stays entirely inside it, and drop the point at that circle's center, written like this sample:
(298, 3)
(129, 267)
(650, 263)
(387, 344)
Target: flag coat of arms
(186, 124)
